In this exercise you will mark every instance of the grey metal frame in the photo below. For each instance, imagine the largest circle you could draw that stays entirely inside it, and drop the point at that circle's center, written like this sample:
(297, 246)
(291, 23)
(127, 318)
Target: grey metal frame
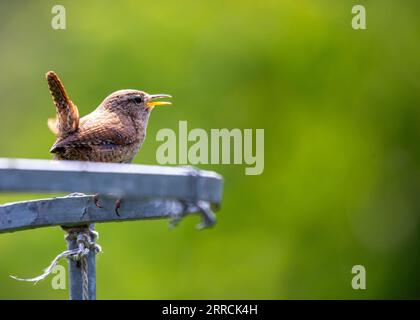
(147, 192)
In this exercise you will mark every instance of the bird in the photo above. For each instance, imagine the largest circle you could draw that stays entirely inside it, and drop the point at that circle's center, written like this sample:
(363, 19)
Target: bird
(113, 132)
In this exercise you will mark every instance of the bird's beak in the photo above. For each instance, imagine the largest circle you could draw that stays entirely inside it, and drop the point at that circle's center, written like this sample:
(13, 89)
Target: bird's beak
(151, 104)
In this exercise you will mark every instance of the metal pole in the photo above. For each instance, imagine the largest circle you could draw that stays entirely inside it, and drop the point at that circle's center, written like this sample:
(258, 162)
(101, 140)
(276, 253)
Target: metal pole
(75, 272)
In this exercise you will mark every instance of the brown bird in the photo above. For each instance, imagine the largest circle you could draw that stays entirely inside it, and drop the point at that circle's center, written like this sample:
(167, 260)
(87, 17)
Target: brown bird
(113, 132)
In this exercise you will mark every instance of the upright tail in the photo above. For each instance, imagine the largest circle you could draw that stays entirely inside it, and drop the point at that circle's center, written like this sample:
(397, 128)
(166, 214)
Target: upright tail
(67, 120)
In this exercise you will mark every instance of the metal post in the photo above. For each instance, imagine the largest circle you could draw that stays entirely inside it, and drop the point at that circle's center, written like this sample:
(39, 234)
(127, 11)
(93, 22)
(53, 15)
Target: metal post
(75, 272)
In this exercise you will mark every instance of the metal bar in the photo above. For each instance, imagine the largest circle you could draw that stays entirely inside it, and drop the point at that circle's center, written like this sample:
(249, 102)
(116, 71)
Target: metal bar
(147, 192)
(75, 273)
(128, 180)
(81, 209)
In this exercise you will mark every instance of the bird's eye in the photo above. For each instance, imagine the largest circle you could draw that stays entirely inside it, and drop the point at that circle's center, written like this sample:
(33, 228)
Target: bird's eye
(138, 100)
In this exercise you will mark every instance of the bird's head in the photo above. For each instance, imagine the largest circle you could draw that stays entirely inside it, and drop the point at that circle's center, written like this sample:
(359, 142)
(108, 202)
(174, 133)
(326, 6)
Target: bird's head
(134, 103)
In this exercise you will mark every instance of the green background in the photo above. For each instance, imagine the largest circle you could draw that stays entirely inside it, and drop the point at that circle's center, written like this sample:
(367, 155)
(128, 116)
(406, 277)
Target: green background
(340, 110)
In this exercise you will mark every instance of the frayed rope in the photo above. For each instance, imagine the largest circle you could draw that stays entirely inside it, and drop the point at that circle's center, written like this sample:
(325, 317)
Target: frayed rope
(85, 239)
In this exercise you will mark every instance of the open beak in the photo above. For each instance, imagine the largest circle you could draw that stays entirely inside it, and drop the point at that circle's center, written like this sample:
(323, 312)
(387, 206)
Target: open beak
(151, 103)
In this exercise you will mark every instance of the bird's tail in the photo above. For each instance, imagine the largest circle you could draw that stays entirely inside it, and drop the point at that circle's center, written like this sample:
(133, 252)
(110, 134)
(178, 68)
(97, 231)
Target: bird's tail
(67, 120)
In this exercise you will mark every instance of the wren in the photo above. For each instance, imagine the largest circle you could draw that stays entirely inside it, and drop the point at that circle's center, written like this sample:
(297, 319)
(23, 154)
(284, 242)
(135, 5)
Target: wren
(113, 132)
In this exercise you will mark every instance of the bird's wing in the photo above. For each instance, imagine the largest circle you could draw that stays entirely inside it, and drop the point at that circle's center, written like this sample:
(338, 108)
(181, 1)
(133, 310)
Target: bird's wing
(67, 120)
(99, 133)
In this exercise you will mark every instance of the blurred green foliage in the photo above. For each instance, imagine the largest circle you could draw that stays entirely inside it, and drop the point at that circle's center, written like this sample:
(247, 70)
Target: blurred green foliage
(340, 109)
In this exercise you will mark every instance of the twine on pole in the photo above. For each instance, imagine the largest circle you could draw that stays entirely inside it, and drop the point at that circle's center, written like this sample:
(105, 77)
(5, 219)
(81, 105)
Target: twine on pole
(86, 241)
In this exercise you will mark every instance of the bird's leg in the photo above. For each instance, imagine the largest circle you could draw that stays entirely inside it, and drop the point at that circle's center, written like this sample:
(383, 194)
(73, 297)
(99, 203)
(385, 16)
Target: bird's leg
(117, 206)
(96, 201)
